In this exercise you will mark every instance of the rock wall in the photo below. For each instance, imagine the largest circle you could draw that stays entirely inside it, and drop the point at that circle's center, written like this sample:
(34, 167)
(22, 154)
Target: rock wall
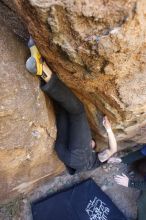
(27, 124)
(98, 48)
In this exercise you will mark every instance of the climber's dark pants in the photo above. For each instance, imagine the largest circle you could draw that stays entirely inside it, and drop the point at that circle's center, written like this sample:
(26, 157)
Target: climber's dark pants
(73, 143)
(142, 206)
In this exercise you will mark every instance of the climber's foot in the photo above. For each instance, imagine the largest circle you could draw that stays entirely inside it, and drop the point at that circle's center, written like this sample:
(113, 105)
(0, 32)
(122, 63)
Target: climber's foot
(32, 66)
(35, 64)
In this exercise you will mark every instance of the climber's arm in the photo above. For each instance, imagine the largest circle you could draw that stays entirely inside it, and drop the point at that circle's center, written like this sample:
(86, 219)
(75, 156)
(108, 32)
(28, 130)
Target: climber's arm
(111, 137)
(112, 142)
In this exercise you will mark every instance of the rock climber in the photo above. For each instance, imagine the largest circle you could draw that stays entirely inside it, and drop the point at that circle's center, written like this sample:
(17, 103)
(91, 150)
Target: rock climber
(74, 144)
(137, 160)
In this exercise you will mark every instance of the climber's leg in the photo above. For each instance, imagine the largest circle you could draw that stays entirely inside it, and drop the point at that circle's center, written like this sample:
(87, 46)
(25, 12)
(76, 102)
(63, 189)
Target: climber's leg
(62, 125)
(52, 86)
(80, 140)
(61, 143)
(79, 131)
(57, 90)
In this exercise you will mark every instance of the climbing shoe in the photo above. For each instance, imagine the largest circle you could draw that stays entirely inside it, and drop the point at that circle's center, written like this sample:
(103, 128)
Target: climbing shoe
(34, 64)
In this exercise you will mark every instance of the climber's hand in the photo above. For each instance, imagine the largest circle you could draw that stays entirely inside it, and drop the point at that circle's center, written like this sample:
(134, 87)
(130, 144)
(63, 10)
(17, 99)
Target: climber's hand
(122, 180)
(114, 160)
(106, 123)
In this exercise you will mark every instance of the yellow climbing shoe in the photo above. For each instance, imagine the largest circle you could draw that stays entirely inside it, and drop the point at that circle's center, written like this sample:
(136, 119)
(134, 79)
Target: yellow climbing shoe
(34, 64)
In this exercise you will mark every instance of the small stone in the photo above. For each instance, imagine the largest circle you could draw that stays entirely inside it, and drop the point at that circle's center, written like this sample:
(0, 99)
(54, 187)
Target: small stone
(104, 187)
(24, 201)
(28, 156)
(110, 166)
(30, 123)
(36, 133)
(115, 30)
(104, 166)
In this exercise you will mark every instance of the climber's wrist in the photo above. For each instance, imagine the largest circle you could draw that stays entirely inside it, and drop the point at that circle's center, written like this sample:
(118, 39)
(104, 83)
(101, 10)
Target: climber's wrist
(109, 130)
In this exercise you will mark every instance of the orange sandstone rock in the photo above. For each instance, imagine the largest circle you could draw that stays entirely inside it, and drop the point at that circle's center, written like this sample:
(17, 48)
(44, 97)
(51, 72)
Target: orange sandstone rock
(98, 49)
(27, 125)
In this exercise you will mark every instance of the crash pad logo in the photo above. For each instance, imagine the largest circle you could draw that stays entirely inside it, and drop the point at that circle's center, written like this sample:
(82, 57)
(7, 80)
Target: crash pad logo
(97, 210)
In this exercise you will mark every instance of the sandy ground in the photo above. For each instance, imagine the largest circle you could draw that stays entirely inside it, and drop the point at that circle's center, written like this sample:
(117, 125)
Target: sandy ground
(124, 198)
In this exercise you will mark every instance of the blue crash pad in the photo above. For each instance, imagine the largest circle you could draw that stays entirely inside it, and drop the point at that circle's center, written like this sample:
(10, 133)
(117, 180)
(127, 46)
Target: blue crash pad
(84, 201)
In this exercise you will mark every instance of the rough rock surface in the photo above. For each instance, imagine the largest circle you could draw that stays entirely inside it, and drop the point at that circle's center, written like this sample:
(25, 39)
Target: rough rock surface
(27, 125)
(98, 48)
